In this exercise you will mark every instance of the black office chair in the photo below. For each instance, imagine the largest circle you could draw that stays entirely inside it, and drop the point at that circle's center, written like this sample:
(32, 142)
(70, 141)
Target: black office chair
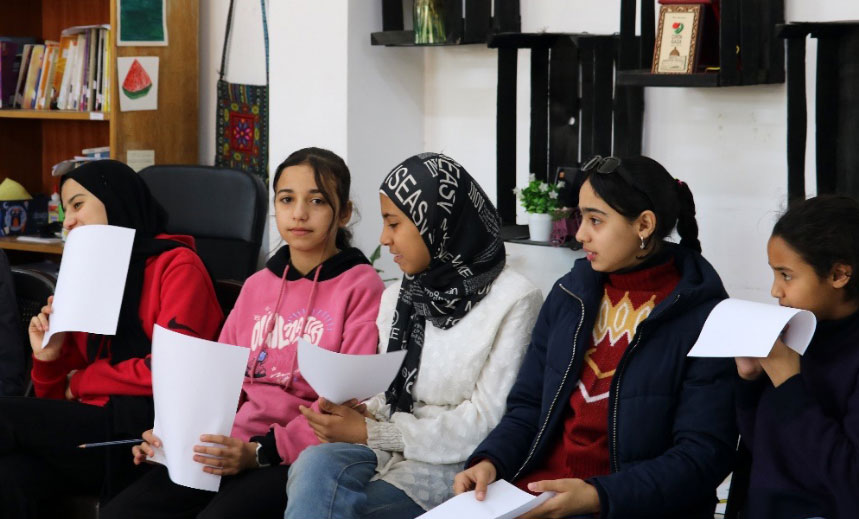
(32, 289)
(227, 292)
(223, 209)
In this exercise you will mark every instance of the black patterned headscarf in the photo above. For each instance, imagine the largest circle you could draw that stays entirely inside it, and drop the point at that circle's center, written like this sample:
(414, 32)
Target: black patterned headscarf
(462, 231)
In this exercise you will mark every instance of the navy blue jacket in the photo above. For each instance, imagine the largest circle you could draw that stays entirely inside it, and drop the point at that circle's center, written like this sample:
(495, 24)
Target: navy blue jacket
(671, 425)
(804, 435)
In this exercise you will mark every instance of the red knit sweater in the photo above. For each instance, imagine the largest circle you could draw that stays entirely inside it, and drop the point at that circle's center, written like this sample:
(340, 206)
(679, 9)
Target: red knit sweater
(580, 450)
(177, 294)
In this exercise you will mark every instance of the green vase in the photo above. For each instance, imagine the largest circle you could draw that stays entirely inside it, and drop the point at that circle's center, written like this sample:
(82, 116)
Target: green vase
(429, 22)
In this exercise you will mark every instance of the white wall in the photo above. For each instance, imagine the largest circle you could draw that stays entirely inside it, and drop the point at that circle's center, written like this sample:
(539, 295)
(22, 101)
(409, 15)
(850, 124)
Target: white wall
(821, 10)
(385, 110)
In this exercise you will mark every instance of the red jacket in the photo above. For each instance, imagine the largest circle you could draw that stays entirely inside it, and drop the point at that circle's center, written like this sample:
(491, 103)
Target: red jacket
(177, 294)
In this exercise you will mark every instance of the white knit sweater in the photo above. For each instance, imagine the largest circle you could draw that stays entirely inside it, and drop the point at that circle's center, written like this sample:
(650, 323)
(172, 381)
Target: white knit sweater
(459, 396)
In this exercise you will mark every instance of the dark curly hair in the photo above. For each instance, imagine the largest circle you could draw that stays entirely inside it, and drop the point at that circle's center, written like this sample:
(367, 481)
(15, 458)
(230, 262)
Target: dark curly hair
(824, 230)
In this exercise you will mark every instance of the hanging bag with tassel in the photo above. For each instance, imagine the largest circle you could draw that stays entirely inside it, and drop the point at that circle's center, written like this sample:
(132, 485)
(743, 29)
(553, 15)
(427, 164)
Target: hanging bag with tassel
(242, 116)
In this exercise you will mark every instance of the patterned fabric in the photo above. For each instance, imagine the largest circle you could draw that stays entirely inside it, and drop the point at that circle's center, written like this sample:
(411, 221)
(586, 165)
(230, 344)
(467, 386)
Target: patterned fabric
(627, 300)
(242, 117)
(462, 231)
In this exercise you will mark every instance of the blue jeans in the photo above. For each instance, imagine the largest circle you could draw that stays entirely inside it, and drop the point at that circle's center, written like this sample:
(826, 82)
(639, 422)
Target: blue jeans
(332, 480)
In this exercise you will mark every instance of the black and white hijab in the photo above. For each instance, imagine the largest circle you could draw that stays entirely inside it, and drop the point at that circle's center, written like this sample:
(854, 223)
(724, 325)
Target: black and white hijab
(462, 231)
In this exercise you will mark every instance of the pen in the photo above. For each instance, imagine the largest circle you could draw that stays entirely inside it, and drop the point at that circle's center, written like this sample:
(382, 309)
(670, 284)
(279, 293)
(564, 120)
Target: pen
(110, 443)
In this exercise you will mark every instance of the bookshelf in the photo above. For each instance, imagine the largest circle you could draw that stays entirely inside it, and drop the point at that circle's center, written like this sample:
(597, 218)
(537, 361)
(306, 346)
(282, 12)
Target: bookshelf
(31, 141)
(55, 115)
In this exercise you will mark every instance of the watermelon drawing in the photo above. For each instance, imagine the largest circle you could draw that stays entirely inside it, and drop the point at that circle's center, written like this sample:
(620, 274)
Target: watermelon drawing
(137, 82)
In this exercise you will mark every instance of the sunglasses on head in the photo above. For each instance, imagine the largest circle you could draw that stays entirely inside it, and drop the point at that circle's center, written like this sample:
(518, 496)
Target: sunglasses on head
(611, 164)
(604, 165)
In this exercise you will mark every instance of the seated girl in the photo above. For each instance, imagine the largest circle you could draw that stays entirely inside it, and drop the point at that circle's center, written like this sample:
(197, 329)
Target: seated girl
(607, 410)
(317, 287)
(464, 319)
(799, 416)
(93, 387)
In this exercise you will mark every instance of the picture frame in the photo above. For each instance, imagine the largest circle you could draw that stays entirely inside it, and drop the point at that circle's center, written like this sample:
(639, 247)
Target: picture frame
(678, 35)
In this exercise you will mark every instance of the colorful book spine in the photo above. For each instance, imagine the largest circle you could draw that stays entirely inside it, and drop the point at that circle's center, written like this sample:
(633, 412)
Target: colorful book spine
(60, 70)
(35, 69)
(22, 75)
(9, 55)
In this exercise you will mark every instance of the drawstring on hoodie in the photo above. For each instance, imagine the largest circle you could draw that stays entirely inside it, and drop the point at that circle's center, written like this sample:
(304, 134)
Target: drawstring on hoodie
(269, 334)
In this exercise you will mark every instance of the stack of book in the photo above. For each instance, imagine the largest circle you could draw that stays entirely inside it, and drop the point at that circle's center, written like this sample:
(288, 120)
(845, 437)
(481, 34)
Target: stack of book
(72, 74)
(61, 168)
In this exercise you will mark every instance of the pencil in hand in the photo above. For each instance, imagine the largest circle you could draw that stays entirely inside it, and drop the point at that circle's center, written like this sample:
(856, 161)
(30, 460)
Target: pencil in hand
(110, 443)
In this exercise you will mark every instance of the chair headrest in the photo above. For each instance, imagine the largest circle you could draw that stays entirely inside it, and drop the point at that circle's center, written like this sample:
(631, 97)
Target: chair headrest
(209, 202)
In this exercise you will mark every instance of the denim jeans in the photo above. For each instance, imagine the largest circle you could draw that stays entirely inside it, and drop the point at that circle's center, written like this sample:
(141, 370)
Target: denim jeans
(332, 480)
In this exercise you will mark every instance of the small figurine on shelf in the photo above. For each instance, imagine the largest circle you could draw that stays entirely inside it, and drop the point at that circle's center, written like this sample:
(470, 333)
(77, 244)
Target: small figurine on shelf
(540, 200)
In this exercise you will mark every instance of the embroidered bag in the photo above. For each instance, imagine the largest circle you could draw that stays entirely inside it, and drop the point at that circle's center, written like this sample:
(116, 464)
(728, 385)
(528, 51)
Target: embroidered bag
(241, 137)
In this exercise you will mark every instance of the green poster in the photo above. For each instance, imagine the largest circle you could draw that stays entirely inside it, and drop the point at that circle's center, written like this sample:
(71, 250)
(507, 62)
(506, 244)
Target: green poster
(142, 22)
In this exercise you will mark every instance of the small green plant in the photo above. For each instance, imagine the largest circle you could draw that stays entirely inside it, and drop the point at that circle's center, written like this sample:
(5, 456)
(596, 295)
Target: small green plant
(374, 258)
(538, 196)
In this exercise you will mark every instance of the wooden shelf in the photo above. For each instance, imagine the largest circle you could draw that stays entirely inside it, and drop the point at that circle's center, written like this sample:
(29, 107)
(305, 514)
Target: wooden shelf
(541, 40)
(13, 243)
(646, 78)
(519, 234)
(407, 39)
(34, 140)
(57, 115)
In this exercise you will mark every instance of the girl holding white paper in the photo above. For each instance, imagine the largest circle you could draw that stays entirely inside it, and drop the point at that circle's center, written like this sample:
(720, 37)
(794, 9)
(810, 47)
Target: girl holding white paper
(317, 287)
(607, 410)
(464, 319)
(91, 387)
(799, 416)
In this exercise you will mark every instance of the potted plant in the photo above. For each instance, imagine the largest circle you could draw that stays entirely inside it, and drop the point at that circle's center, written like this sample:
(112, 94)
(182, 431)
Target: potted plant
(540, 199)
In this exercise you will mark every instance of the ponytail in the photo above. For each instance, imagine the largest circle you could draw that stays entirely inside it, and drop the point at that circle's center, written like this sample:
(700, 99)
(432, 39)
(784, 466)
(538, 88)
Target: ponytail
(687, 225)
(639, 184)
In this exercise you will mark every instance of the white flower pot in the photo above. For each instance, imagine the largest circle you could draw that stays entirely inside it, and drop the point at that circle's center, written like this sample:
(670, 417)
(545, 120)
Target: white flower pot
(540, 226)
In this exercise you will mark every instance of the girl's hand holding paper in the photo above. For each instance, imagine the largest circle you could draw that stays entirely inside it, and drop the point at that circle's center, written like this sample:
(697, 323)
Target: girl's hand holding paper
(38, 327)
(336, 423)
(229, 457)
(781, 364)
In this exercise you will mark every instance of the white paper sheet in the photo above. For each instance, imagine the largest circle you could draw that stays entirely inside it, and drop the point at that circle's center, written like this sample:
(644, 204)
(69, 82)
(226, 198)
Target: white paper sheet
(339, 377)
(91, 280)
(503, 501)
(196, 386)
(739, 328)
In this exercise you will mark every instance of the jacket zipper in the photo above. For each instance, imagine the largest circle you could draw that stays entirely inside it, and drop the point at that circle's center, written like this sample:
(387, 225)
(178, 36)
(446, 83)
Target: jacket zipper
(615, 465)
(563, 380)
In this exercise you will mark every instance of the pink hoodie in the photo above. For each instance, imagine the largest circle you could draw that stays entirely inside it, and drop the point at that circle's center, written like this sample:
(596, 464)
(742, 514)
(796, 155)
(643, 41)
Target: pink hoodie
(343, 300)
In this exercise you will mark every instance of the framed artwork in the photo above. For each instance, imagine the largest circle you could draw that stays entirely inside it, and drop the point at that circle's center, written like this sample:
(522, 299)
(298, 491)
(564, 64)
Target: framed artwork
(677, 39)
